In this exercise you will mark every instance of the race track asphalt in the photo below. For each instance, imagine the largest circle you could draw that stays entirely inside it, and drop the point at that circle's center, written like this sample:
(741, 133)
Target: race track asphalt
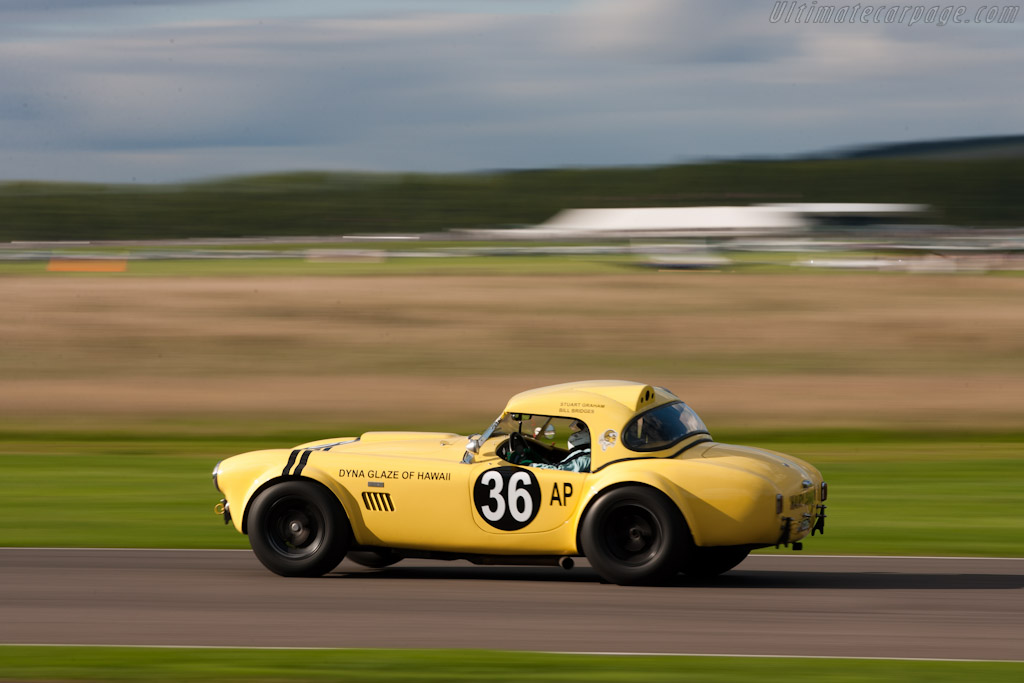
(948, 608)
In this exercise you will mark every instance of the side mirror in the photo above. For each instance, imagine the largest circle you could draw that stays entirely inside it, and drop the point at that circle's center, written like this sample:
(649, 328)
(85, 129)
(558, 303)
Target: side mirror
(548, 432)
(472, 449)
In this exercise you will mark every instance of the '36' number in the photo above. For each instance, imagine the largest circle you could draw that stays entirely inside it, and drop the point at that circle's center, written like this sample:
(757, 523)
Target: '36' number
(507, 497)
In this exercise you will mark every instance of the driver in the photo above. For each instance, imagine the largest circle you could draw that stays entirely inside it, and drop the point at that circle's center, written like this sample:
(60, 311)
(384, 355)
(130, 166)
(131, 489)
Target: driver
(578, 458)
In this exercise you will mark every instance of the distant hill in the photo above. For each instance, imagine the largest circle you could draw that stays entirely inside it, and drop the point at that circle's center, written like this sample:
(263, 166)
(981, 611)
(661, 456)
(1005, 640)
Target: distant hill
(994, 147)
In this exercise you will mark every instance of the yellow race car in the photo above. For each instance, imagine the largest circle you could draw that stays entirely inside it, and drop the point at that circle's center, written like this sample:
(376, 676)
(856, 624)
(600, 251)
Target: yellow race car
(622, 473)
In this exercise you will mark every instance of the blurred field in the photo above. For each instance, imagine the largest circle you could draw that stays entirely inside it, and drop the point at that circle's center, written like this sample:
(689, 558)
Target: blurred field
(231, 355)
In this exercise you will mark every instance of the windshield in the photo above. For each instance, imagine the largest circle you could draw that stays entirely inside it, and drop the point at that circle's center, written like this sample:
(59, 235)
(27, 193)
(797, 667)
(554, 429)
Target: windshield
(545, 428)
(662, 427)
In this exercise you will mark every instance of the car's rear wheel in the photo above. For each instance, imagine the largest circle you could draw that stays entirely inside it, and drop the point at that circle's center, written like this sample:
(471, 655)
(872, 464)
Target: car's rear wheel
(374, 559)
(298, 528)
(708, 562)
(635, 535)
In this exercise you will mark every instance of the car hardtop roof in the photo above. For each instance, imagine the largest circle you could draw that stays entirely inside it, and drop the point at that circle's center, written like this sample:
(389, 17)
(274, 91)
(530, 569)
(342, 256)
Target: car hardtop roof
(579, 398)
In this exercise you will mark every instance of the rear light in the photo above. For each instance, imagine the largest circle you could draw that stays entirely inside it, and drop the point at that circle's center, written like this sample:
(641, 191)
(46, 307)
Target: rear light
(778, 503)
(824, 492)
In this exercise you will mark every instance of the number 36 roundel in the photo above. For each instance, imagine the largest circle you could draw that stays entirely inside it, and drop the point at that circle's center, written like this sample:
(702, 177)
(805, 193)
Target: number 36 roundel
(507, 497)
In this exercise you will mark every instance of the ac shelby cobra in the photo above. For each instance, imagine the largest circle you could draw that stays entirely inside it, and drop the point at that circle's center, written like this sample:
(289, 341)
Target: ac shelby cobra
(657, 497)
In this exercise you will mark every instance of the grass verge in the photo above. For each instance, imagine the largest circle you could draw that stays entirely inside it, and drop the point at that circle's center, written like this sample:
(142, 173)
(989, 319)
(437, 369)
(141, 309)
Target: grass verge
(31, 663)
(890, 494)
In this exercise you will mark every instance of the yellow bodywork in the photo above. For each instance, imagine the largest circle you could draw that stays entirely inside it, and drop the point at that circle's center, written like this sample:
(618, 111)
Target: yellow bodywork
(415, 490)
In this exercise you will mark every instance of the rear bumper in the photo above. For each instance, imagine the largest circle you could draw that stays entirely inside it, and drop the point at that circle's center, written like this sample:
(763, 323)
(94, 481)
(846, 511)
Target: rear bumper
(793, 529)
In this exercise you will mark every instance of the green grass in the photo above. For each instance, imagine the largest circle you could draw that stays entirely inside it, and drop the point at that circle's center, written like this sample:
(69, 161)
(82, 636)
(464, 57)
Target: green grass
(184, 664)
(441, 262)
(919, 496)
(898, 494)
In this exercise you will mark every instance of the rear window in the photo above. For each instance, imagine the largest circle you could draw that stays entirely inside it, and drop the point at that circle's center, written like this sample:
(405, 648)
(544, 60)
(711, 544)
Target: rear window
(662, 427)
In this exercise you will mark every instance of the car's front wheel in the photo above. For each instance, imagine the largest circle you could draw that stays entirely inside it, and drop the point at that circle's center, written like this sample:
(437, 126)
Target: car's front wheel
(635, 535)
(298, 528)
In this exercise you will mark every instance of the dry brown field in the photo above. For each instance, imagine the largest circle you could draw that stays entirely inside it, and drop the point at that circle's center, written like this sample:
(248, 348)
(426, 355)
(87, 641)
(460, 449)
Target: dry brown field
(759, 351)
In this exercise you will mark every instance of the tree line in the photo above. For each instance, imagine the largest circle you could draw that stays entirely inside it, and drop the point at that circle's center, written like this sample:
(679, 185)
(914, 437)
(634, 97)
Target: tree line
(978, 193)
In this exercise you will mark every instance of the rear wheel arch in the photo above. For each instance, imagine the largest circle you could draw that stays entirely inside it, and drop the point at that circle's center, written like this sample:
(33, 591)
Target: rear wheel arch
(592, 501)
(634, 534)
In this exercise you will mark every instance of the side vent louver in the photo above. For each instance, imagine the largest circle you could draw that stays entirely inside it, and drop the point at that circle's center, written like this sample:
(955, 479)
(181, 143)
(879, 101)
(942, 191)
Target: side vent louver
(378, 501)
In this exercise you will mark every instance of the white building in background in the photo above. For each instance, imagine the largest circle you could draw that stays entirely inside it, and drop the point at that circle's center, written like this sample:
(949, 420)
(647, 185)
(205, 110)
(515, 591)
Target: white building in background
(690, 221)
(852, 213)
(759, 220)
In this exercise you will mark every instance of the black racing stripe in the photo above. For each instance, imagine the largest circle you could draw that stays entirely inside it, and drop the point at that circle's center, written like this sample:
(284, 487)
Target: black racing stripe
(291, 461)
(691, 445)
(303, 461)
(655, 457)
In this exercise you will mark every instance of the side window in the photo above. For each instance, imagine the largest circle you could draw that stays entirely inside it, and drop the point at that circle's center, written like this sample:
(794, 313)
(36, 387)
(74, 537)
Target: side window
(550, 443)
(554, 431)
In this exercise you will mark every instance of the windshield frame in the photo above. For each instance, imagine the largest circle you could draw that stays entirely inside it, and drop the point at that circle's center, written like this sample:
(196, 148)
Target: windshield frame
(670, 444)
(490, 431)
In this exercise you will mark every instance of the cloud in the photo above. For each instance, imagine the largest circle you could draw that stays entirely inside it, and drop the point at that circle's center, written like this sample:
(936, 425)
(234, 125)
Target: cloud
(195, 90)
(683, 32)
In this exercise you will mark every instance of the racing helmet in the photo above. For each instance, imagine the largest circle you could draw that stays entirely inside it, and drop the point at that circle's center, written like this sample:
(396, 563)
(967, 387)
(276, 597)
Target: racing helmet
(580, 438)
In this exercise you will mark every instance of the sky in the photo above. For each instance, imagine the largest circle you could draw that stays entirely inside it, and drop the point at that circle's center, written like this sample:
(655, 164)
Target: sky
(154, 91)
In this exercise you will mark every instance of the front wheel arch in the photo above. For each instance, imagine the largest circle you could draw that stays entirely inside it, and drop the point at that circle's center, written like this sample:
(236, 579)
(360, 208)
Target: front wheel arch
(274, 482)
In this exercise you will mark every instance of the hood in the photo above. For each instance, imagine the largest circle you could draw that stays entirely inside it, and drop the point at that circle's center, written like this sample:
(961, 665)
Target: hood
(419, 445)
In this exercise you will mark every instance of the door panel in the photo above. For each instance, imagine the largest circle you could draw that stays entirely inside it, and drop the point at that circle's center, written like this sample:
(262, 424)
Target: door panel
(515, 500)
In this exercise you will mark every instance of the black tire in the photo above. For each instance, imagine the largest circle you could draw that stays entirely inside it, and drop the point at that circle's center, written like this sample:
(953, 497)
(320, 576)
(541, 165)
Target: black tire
(374, 559)
(299, 528)
(635, 535)
(704, 563)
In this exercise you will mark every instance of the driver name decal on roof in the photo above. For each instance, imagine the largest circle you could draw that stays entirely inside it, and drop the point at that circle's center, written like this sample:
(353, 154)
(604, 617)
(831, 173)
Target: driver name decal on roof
(579, 407)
